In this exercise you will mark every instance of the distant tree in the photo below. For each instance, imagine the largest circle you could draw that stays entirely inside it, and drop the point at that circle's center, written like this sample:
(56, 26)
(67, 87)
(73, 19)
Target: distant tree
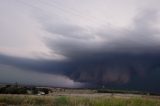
(10, 90)
(34, 90)
(16, 85)
(22, 91)
(13, 90)
(7, 86)
(45, 90)
(2, 90)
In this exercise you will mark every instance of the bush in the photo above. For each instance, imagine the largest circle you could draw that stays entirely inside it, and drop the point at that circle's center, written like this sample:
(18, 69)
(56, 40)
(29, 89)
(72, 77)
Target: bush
(13, 90)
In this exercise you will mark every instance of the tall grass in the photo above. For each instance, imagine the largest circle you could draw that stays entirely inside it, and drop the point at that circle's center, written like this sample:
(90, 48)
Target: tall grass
(6, 100)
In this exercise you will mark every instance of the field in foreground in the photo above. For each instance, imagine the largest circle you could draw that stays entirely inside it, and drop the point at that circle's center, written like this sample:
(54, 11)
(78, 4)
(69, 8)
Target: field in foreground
(29, 100)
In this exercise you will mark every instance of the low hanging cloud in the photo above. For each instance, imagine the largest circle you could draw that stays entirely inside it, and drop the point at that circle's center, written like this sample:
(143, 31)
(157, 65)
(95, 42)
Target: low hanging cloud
(124, 57)
(34, 78)
(111, 55)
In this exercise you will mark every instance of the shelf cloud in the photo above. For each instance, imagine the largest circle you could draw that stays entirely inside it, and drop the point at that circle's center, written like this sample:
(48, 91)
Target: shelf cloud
(79, 50)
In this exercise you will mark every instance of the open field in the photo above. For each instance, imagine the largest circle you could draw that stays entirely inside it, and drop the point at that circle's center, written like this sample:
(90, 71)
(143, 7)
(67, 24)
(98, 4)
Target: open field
(79, 100)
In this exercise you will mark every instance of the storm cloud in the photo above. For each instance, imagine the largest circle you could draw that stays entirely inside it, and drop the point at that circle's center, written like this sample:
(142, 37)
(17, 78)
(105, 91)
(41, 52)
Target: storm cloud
(117, 57)
(110, 55)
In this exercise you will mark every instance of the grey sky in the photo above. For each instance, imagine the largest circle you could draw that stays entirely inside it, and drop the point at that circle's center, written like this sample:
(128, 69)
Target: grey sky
(23, 23)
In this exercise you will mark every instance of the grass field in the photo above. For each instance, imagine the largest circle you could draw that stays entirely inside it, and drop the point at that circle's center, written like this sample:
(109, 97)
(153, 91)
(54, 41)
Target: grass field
(29, 100)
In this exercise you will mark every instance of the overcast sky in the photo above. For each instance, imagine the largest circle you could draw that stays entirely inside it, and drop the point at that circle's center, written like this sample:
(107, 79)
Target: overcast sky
(60, 42)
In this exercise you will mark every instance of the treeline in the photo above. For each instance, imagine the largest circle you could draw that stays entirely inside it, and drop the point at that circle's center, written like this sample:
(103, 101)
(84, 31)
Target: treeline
(127, 92)
(15, 89)
(120, 91)
(8, 89)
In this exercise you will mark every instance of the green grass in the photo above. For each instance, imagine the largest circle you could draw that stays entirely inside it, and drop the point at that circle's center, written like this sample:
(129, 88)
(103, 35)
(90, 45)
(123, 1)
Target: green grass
(29, 100)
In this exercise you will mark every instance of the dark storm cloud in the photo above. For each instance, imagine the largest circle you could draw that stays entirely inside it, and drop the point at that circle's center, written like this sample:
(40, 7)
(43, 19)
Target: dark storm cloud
(121, 56)
(121, 70)
(40, 65)
(113, 57)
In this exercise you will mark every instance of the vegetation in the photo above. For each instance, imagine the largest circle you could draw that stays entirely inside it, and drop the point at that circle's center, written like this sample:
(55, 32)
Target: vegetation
(8, 89)
(120, 91)
(29, 100)
(16, 89)
(96, 97)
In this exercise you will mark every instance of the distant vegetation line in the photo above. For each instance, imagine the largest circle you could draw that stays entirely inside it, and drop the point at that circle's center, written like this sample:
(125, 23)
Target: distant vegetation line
(18, 89)
(126, 92)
